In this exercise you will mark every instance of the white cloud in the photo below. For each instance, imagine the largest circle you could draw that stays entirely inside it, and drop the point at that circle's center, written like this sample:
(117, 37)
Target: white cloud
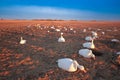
(38, 12)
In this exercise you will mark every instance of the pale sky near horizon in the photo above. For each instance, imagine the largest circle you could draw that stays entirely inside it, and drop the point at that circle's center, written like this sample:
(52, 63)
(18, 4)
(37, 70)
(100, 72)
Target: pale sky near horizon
(60, 9)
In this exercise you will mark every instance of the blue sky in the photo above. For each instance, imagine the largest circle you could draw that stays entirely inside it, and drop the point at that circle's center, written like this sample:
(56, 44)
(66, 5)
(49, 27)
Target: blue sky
(60, 9)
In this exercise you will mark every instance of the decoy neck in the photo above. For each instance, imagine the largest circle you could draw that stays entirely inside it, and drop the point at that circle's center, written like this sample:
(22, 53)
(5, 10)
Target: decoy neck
(75, 63)
(79, 66)
(93, 56)
(61, 35)
(21, 38)
(92, 41)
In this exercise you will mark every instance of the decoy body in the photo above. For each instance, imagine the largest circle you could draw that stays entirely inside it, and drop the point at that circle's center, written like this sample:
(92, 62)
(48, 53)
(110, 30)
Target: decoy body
(89, 45)
(61, 39)
(69, 65)
(86, 53)
(22, 41)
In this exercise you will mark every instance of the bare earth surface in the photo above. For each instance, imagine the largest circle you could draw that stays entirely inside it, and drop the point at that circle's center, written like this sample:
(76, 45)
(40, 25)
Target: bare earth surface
(36, 60)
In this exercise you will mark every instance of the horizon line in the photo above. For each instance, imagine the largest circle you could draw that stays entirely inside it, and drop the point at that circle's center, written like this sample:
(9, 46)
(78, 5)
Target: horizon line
(2, 19)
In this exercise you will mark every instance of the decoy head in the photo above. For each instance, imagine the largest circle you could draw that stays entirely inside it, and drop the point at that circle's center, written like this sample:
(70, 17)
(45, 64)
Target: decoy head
(82, 68)
(61, 33)
(93, 57)
(92, 40)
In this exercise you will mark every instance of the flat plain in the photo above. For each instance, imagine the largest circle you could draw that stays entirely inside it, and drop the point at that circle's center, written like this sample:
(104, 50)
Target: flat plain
(36, 59)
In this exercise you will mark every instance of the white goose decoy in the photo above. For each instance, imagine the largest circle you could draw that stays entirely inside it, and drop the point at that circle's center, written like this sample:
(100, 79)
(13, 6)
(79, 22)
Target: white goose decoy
(118, 53)
(103, 33)
(88, 38)
(115, 40)
(86, 53)
(65, 29)
(94, 34)
(58, 30)
(28, 26)
(22, 41)
(61, 39)
(99, 29)
(48, 31)
(70, 65)
(89, 45)
(74, 31)
(52, 27)
(84, 30)
(71, 29)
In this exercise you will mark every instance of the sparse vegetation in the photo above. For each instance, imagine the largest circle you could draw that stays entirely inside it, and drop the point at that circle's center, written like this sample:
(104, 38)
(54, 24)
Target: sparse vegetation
(36, 59)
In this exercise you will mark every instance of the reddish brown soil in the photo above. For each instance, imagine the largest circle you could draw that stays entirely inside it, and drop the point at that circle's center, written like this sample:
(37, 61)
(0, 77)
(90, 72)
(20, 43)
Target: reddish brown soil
(36, 60)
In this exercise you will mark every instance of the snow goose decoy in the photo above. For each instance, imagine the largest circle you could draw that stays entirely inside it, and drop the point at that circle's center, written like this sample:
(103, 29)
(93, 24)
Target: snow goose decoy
(103, 33)
(89, 45)
(74, 31)
(94, 34)
(118, 53)
(71, 29)
(70, 65)
(84, 30)
(86, 53)
(58, 30)
(22, 41)
(115, 40)
(61, 39)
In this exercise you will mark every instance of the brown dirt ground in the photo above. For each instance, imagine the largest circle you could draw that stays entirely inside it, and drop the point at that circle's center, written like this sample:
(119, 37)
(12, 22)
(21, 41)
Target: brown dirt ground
(36, 60)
